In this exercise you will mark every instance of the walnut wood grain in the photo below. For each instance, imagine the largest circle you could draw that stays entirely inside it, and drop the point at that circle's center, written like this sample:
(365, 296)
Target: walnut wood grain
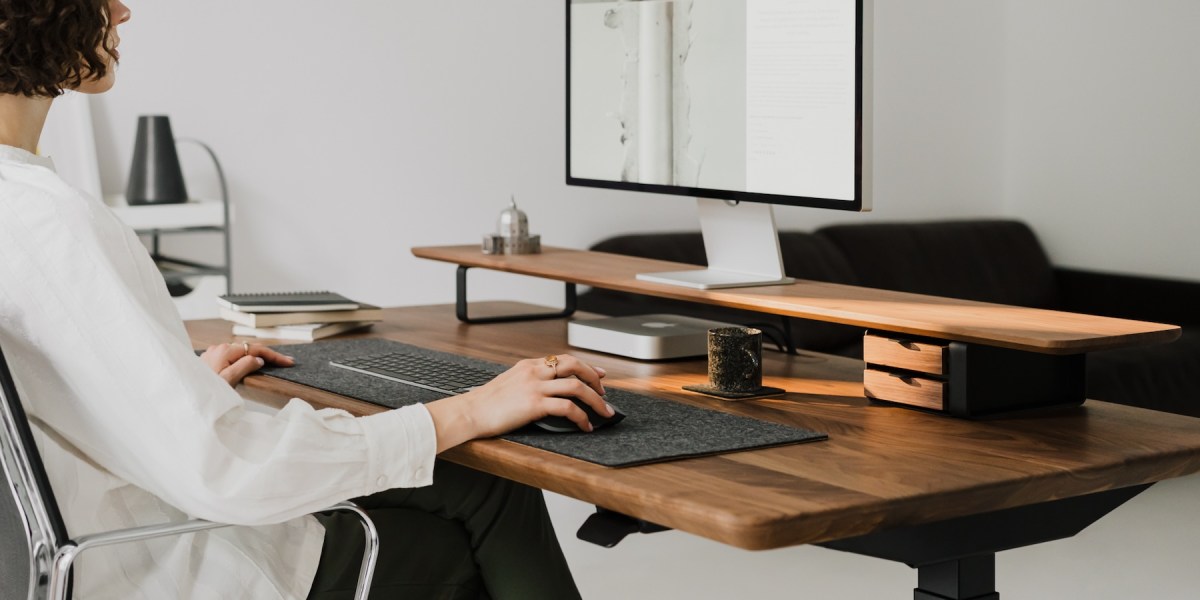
(1020, 328)
(905, 389)
(882, 466)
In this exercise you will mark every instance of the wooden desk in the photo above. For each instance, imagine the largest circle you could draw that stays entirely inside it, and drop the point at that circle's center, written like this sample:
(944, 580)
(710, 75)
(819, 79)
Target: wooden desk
(884, 471)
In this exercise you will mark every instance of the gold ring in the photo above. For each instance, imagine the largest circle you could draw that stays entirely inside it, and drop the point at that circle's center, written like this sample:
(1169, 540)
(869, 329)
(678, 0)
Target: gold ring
(552, 362)
(246, 348)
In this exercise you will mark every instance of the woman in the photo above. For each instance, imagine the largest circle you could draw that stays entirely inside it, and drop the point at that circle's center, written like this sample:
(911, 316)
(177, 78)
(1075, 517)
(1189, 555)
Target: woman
(135, 430)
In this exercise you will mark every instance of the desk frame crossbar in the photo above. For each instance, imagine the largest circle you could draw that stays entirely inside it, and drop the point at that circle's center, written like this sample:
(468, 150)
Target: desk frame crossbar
(956, 558)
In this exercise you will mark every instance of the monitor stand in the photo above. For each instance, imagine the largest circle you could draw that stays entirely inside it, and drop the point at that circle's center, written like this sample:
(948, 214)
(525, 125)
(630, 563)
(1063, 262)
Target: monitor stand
(742, 245)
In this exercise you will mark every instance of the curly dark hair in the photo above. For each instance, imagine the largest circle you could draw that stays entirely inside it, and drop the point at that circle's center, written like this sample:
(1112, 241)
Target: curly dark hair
(47, 46)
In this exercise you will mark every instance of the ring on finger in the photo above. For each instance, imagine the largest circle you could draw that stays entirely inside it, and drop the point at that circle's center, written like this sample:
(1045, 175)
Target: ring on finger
(552, 362)
(246, 348)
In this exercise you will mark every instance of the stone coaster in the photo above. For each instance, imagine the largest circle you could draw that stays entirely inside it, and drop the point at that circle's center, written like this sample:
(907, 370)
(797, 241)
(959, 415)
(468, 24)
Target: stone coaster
(762, 392)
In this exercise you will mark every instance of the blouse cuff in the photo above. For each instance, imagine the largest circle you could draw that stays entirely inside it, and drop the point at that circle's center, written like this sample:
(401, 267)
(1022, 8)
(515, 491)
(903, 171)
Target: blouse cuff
(401, 446)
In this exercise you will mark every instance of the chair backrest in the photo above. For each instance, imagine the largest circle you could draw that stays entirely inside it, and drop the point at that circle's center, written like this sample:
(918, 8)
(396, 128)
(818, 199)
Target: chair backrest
(31, 526)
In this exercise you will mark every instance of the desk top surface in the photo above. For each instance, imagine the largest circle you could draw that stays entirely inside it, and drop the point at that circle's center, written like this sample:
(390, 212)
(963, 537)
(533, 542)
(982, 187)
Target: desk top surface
(1017, 327)
(882, 466)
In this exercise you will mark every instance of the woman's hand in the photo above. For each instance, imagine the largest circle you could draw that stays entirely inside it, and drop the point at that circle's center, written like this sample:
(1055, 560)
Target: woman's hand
(532, 389)
(233, 362)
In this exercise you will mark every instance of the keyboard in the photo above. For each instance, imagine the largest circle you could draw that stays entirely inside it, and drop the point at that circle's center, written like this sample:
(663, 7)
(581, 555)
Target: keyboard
(417, 370)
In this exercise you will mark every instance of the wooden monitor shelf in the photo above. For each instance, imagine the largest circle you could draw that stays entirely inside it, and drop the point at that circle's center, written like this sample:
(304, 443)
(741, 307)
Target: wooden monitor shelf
(990, 357)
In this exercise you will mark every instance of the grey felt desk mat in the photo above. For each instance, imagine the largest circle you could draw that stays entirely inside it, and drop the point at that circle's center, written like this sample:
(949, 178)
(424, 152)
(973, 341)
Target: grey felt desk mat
(654, 429)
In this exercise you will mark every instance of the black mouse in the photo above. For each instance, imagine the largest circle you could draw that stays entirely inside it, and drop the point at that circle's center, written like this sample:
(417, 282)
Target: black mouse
(565, 425)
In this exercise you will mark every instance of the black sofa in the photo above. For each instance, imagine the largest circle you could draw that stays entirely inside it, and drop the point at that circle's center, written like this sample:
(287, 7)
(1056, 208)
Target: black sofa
(988, 260)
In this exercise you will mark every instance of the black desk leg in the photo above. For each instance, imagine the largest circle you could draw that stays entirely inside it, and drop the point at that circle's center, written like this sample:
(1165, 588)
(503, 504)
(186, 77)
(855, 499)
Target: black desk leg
(956, 559)
(972, 578)
(460, 307)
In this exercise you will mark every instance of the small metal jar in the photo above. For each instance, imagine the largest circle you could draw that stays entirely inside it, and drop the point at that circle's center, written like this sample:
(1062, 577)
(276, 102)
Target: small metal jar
(512, 234)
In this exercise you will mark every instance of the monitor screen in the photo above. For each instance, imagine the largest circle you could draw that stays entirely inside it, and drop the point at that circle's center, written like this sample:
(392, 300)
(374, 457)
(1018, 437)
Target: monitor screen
(758, 100)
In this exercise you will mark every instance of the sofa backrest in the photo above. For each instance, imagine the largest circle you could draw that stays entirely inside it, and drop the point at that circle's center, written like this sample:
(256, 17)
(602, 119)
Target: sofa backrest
(805, 256)
(988, 260)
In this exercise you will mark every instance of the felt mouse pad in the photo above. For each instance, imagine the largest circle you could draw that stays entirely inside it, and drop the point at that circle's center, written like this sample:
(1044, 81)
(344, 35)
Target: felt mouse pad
(654, 429)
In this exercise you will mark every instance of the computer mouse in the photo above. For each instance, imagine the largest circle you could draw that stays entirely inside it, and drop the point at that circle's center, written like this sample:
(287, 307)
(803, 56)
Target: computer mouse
(565, 425)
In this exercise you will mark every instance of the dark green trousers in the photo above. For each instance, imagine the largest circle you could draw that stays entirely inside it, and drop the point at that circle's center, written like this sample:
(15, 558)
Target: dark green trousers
(469, 535)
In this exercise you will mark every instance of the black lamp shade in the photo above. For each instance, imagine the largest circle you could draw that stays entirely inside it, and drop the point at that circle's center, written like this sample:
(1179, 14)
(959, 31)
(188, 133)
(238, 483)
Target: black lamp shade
(155, 177)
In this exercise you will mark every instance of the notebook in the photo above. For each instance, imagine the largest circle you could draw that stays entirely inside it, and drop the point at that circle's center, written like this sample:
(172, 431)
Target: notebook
(365, 312)
(305, 332)
(287, 302)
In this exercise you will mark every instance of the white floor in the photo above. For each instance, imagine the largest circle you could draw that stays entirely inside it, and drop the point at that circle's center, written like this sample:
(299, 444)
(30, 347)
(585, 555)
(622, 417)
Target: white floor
(1148, 548)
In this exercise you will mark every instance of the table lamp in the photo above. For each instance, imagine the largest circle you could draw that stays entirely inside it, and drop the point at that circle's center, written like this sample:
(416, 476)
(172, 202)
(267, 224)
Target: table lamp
(155, 177)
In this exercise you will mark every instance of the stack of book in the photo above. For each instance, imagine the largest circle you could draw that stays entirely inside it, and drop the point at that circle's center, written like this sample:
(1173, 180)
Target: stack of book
(296, 315)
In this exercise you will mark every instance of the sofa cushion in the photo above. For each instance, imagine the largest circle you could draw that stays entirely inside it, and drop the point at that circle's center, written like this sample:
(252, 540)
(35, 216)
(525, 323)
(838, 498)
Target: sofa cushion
(1126, 296)
(987, 260)
(1162, 377)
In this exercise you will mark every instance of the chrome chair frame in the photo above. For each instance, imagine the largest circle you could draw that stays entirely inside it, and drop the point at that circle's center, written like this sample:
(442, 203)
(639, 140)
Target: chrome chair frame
(52, 552)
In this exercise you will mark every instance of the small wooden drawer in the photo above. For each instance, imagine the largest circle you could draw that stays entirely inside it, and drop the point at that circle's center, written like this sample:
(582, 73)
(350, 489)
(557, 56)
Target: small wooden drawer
(905, 389)
(922, 357)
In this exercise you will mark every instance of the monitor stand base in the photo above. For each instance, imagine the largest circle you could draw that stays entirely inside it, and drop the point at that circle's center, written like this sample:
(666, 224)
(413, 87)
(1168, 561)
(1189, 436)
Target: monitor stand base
(712, 279)
(742, 245)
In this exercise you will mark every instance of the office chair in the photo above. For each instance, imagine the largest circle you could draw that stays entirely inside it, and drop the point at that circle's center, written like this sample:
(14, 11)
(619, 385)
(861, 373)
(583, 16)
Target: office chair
(35, 552)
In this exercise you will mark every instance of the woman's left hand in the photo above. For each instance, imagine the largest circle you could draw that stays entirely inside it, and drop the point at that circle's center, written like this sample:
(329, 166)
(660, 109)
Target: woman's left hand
(233, 362)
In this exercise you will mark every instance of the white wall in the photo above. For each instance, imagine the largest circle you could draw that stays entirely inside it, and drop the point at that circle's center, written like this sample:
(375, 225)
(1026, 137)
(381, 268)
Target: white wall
(1103, 134)
(355, 130)
(352, 131)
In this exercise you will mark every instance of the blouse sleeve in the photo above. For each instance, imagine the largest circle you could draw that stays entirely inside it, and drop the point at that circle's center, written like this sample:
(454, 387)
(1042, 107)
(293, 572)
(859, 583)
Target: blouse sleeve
(118, 384)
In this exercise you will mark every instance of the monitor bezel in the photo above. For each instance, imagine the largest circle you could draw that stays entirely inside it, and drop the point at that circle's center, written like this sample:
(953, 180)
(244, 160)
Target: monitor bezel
(861, 201)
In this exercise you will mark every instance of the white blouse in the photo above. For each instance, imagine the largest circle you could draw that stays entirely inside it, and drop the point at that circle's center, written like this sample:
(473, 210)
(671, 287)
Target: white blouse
(135, 430)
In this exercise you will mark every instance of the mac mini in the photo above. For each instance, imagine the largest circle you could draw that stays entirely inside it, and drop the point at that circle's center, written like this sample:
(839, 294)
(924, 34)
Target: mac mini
(645, 337)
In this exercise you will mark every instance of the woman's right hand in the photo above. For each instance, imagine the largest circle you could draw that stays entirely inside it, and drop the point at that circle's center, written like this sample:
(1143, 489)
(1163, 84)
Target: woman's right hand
(530, 390)
(234, 361)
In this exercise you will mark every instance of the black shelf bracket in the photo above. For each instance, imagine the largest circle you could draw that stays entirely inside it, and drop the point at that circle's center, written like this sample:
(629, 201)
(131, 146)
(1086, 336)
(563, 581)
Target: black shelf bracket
(460, 305)
(607, 528)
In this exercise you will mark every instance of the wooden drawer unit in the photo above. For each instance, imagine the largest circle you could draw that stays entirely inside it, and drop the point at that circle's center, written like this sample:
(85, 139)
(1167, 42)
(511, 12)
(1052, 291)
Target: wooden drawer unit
(967, 380)
(906, 371)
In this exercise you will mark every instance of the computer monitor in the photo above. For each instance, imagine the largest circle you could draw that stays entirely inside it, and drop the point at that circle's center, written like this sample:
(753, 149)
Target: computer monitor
(742, 104)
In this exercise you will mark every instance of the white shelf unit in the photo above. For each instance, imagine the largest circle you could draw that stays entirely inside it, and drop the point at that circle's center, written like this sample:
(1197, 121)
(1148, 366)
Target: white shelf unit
(207, 281)
(209, 214)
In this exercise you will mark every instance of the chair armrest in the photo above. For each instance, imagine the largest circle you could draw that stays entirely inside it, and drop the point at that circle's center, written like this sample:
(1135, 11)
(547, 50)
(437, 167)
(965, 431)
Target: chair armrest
(1155, 299)
(135, 534)
(66, 555)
